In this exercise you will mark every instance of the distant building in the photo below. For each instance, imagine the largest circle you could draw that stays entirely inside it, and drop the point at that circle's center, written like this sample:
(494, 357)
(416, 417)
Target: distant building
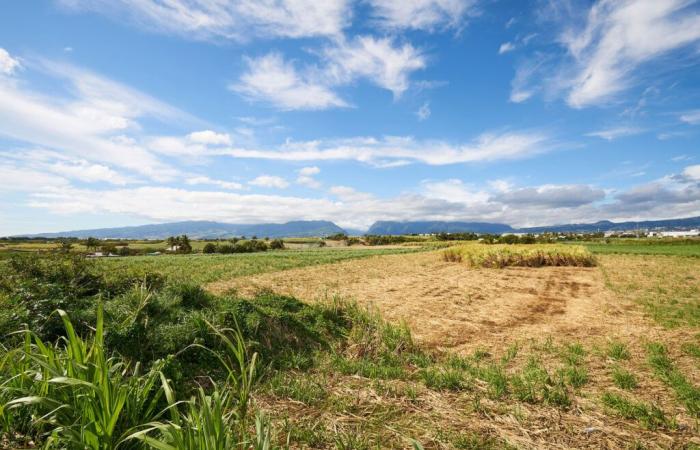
(678, 234)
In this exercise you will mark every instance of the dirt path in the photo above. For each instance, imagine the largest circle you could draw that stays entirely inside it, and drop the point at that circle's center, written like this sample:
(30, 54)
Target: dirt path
(451, 306)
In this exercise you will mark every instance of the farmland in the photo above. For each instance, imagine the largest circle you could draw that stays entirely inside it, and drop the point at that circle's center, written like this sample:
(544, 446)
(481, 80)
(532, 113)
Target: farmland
(367, 347)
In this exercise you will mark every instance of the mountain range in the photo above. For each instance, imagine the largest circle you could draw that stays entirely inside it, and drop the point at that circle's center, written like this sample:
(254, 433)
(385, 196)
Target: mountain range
(312, 228)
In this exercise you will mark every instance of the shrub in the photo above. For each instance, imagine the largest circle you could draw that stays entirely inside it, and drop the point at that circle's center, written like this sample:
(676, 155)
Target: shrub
(277, 244)
(209, 247)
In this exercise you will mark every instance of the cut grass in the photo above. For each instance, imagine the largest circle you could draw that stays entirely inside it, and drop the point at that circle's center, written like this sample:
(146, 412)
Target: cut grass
(503, 255)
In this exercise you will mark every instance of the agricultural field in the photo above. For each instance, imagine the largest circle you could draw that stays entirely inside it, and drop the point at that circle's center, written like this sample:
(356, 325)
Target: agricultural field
(473, 346)
(678, 247)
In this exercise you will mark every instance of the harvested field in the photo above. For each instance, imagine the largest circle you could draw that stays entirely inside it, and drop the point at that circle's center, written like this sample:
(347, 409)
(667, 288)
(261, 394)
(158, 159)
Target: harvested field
(451, 306)
(592, 323)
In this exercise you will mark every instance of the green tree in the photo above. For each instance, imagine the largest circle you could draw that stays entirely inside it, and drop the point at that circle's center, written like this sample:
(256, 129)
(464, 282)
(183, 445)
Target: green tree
(92, 243)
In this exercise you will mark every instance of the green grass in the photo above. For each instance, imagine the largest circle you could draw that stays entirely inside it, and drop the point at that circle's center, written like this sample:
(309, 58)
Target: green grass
(208, 268)
(685, 391)
(650, 416)
(624, 379)
(645, 247)
(618, 351)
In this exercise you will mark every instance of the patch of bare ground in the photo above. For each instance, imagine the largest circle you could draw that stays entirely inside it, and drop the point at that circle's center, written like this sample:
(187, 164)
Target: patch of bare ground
(453, 308)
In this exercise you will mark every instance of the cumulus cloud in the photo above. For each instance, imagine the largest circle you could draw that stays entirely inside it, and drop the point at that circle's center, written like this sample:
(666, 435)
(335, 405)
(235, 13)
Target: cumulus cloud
(269, 181)
(8, 64)
(238, 20)
(692, 172)
(427, 15)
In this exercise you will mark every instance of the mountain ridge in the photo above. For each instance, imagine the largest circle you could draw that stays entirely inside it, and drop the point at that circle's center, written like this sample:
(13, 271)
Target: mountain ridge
(199, 229)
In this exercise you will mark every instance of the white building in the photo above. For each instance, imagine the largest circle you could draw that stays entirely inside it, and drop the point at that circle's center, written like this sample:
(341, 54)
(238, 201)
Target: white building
(686, 233)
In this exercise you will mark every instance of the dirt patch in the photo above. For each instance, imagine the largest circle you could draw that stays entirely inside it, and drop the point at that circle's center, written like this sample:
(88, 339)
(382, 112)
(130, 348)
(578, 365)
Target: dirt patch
(451, 306)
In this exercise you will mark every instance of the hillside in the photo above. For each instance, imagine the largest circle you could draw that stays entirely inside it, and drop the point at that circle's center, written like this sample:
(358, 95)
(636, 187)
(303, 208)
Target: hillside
(206, 229)
(423, 227)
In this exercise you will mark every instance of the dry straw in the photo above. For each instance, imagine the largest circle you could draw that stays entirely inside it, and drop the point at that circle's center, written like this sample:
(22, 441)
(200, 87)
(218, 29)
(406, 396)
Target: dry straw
(499, 256)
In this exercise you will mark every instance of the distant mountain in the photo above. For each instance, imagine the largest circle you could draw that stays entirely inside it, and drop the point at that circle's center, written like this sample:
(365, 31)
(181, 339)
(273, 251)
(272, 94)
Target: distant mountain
(205, 229)
(422, 227)
(606, 225)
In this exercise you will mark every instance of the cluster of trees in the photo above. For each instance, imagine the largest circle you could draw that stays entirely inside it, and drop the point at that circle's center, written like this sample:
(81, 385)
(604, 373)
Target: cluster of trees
(371, 239)
(238, 246)
(179, 244)
(456, 236)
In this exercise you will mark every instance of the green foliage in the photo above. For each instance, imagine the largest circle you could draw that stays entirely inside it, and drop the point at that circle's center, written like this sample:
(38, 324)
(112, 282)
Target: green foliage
(277, 244)
(444, 379)
(209, 248)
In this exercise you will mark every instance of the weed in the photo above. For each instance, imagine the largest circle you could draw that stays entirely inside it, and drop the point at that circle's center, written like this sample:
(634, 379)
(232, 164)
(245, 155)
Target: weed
(576, 376)
(299, 387)
(691, 349)
(618, 351)
(442, 379)
(624, 379)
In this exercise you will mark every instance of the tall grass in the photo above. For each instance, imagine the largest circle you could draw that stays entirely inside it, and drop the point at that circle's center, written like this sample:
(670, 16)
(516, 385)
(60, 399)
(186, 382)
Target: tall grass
(72, 394)
(499, 256)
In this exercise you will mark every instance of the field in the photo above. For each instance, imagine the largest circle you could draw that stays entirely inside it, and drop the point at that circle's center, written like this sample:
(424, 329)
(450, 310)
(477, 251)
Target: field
(646, 247)
(397, 347)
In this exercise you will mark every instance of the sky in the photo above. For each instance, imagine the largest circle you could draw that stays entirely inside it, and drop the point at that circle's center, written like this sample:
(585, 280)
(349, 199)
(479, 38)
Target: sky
(525, 112)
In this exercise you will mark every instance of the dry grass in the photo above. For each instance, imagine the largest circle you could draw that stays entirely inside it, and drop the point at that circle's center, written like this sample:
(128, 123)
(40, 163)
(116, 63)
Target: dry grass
(505, 255)
(543, 347)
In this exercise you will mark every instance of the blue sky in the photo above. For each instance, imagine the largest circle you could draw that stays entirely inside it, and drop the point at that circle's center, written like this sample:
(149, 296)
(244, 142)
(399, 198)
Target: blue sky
(125, 112)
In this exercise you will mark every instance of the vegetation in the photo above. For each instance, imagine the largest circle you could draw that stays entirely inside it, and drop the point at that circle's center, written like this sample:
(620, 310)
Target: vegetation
(499, 256)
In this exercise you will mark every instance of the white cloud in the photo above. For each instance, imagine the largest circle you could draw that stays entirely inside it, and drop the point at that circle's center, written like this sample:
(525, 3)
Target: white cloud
(209, 137)
(551, 196)
(692, 172)
(611, 134)
(269, 181)
(306, 177)
(423, 112)
(691, 117)
(88, 172)
(273, 80)
(216, 19)
(376, 59)
(309, 171)
(455, 190)
(229, 185)
(426, 15)
(619, 36)
(506, 47)
(391, 151)
(8, 64)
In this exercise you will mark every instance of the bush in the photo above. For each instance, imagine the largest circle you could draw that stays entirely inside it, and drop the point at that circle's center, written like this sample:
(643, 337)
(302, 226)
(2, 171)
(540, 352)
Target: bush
(209, 248)
(277, 244)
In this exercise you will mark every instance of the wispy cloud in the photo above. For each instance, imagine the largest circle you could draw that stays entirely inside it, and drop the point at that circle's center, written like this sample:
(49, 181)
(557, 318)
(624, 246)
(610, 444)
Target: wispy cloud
(8, 64)
(273, 80)
(428, 15)
(423, 112)
(610, 134)
(238, 20)
(691, 117)
(605, 48)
